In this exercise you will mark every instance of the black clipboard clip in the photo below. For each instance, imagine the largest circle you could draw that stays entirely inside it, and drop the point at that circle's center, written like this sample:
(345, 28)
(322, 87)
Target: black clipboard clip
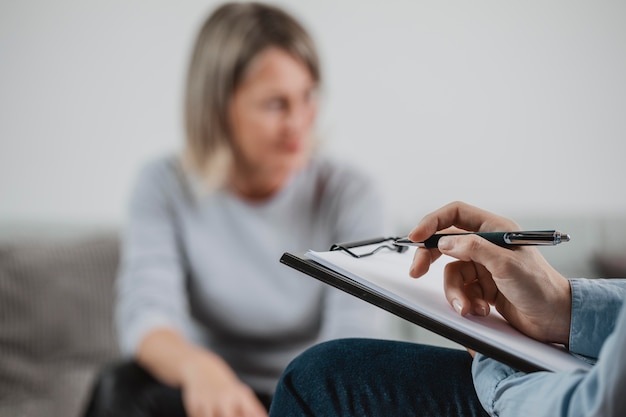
(385, 243)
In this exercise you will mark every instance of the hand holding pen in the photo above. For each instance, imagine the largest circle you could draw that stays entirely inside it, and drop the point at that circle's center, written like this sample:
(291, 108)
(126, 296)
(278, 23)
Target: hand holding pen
(520, 283)
(504, 239)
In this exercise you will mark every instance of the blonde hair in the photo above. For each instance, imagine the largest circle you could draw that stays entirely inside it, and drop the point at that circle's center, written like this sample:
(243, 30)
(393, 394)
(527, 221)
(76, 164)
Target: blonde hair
(227, 43)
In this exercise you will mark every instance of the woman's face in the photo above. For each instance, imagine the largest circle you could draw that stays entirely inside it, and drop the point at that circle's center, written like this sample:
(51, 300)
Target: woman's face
(272, 113)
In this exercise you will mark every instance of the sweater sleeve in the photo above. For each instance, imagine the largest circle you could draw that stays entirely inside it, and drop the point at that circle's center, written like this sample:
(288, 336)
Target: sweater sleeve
(151, 288)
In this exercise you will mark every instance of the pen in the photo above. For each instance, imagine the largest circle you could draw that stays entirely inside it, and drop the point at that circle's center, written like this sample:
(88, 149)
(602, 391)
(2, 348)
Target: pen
(504, 239)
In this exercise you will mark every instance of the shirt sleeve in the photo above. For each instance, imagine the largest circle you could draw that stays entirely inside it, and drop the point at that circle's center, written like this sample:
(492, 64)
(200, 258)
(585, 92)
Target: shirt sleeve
(504, 391)
(595, 307)
(150, 286)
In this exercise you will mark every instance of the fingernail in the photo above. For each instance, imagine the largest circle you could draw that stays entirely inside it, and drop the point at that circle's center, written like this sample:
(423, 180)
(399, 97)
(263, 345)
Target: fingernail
(457, 306)
(445, 243)
(480, 311)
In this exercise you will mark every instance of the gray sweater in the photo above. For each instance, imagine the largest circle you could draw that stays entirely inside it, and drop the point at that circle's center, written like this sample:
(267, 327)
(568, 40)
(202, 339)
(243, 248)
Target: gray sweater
(208, 265)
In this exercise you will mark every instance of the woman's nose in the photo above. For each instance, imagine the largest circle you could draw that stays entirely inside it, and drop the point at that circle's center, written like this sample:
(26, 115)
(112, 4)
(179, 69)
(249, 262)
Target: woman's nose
(299, 118)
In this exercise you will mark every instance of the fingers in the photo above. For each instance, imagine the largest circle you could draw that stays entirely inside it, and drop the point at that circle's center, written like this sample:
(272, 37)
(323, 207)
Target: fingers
(422, 260)
(460, 215)
(241, 402)
(240, 410)
(466, 286)
(244, 404)
(248, 406)
(476, 249)
(448, 219)
(254, 408)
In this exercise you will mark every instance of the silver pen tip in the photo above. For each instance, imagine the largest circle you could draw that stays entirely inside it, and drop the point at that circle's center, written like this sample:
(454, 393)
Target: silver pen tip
(563, 237)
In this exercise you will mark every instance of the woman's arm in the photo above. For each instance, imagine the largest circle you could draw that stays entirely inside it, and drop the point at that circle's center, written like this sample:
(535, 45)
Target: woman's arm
(152, 310)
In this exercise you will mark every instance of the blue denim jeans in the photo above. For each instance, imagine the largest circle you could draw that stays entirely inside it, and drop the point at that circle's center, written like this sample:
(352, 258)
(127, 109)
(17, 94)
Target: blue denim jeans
(368, 377)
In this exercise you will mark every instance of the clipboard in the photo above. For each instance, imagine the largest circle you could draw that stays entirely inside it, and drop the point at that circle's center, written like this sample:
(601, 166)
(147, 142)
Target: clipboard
(376, 271)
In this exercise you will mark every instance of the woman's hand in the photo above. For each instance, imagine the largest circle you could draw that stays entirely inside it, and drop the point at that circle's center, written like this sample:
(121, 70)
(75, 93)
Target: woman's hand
(211, 389)
(519, 282)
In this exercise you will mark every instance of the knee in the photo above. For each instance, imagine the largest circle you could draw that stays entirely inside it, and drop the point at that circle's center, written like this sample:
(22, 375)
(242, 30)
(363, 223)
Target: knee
(322, 363)
(321, 357)
(308, 379)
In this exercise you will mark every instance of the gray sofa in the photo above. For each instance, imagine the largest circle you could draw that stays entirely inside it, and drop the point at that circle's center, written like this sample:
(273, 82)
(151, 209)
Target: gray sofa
(56, 329)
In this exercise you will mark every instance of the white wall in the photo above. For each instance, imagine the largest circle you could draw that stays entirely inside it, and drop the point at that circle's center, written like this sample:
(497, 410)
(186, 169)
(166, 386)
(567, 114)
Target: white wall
(519, 107)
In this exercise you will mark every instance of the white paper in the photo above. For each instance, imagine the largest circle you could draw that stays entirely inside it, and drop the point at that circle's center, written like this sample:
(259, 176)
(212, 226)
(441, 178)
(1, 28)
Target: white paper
(387, 272)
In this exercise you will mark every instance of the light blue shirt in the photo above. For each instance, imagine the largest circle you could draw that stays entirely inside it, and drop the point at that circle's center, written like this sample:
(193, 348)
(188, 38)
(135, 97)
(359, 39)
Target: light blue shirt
(598, 331)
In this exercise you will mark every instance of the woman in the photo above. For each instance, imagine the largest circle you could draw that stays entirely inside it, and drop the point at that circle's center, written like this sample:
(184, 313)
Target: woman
(206, 310)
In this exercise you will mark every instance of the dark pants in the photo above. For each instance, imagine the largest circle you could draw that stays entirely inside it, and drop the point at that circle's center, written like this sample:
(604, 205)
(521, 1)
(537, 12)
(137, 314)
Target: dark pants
(366, 377)
(127, 390)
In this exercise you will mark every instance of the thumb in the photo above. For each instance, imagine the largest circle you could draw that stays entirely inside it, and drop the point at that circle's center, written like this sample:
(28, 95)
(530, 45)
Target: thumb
(471, 247)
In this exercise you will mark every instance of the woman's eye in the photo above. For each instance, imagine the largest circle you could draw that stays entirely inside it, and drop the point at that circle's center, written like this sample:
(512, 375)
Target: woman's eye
(274, 104)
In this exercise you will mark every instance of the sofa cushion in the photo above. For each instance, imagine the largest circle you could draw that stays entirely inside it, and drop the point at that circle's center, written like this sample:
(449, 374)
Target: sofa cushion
(56, 326)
